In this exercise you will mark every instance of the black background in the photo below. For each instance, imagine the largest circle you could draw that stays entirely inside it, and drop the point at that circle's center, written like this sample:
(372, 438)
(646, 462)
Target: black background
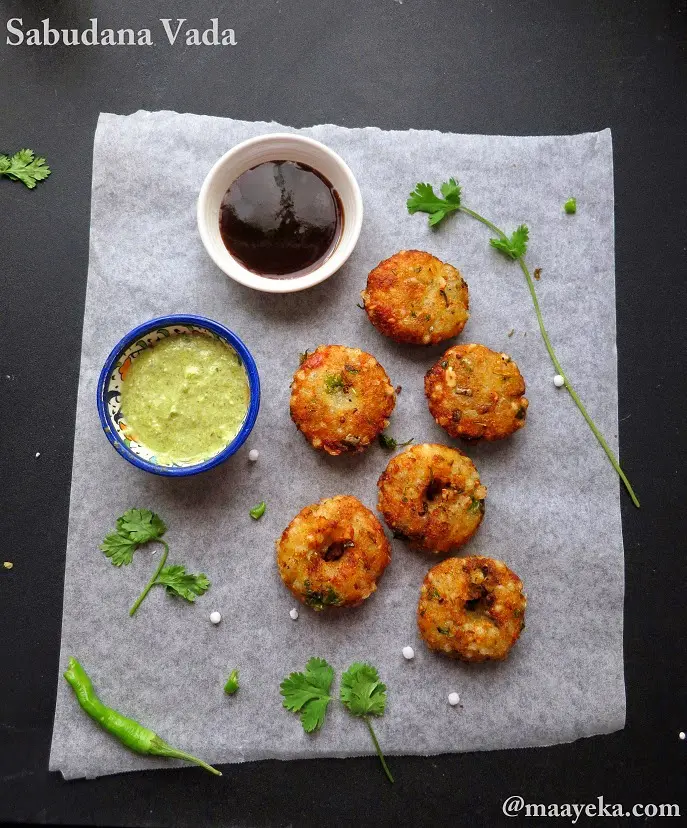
(521, 67)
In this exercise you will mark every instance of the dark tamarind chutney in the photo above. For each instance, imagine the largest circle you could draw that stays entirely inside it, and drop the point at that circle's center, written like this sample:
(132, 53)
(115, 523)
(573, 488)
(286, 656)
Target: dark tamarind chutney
(281, 219)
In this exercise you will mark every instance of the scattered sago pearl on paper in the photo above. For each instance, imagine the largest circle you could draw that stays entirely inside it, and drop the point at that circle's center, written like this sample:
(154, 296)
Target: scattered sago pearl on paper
(453, 699)
(408, 653)
(558, 381)
(215, 617)
(682, 735)
(293, 614)
(253, 455)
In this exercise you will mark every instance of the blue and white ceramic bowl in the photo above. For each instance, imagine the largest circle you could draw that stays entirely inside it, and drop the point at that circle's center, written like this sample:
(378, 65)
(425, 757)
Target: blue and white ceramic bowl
(117, 365)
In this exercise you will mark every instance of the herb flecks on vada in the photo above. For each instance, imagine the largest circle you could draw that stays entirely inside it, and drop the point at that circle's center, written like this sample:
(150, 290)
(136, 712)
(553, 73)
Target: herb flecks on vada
(332, 553)
(341, 399)
(414, 297)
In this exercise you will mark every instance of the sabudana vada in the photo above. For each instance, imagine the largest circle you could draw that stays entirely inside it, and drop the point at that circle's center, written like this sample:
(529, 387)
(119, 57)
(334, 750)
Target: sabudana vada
(332, 553)
(471, 608)
(431, 496)
(476, 393)
(416, 298)
(341, 399)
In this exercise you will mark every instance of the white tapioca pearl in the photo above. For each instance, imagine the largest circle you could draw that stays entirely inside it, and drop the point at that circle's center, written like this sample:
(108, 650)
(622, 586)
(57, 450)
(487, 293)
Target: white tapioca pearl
(559, 381)
(453, 699)
(215, 617)
(253, 455)
(293, 614)
(408, 653)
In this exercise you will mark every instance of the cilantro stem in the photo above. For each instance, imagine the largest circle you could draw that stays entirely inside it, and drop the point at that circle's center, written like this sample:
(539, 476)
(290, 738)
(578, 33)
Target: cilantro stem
(378, 749)
(549, 347)
(151, 582)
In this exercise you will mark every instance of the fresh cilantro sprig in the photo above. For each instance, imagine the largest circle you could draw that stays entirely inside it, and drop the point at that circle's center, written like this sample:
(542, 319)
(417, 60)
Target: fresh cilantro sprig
(424, 200)
(307, 693)
(137, 527)
(364, 694)
(514, 246)
(24, 166)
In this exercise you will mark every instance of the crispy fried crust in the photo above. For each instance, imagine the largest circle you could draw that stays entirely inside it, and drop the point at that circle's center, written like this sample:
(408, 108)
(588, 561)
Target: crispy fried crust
(431, 496)
(476, 393)
(414, 297)
(332, 553)
(471, 608)
(341, 399)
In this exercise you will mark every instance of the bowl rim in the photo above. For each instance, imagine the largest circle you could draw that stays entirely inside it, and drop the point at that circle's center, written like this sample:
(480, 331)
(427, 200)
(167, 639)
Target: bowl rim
(254, 280)
(231, 339)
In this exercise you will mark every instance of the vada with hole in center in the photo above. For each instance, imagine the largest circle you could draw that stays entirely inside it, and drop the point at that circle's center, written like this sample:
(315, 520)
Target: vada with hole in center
(431, 496)
(472, 609)
(332, 553)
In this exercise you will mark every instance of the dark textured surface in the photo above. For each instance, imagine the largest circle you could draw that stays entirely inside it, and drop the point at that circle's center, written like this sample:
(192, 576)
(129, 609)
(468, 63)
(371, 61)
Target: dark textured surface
(494, 67)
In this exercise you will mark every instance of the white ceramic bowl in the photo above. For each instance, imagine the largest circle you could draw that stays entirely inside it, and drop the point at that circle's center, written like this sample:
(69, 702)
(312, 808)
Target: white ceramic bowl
(278, 146)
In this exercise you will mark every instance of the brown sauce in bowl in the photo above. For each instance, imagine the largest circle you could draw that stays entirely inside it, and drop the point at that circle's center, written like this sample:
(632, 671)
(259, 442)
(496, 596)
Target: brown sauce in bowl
(281, 219)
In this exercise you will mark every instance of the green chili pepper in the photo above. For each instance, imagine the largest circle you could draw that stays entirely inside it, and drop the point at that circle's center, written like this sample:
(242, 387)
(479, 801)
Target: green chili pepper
(258, 511)
(232, 684)
(129, 732)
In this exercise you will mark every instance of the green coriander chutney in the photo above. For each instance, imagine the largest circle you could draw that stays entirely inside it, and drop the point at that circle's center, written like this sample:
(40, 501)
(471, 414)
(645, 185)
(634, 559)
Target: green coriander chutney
(185, 398)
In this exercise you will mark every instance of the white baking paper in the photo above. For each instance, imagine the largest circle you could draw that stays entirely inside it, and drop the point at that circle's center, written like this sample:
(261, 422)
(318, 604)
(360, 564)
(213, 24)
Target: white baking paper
(553, 503)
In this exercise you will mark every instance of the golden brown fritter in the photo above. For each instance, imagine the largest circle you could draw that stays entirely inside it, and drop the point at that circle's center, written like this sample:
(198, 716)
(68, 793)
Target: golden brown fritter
(471, 608)
(332, 553)
(476, 393)
(414, 297)
(341, 399)
(431, 496)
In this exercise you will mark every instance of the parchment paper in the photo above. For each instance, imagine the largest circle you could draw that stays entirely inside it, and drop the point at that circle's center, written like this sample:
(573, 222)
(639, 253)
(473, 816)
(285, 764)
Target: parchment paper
(553, 504)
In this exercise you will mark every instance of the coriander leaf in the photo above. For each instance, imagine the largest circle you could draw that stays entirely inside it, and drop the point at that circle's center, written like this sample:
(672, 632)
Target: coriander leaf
(451, 191)
(362, 691)
(364, 695)
(25, 167)
(570, 206)
(516, 245)
(334, 382)
(119, 549)
(141, 525)
(423, 199)
(232, 684)
(177, 581)
(258, 511)
(307, 693)
(318, 600)
(390, 443)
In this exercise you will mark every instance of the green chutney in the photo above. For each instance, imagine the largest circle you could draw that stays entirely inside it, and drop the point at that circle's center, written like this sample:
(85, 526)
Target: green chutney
(185, 398)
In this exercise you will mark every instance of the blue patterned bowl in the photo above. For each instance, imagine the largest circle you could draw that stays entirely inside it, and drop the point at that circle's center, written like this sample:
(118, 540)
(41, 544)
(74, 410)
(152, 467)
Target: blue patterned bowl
(117, 365)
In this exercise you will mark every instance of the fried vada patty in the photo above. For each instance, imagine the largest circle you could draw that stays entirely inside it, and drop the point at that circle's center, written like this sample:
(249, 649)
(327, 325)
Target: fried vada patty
(431, 496)
(476, 393)
(414, 297)
(332, 553)
(341, 399)
(471, 608)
